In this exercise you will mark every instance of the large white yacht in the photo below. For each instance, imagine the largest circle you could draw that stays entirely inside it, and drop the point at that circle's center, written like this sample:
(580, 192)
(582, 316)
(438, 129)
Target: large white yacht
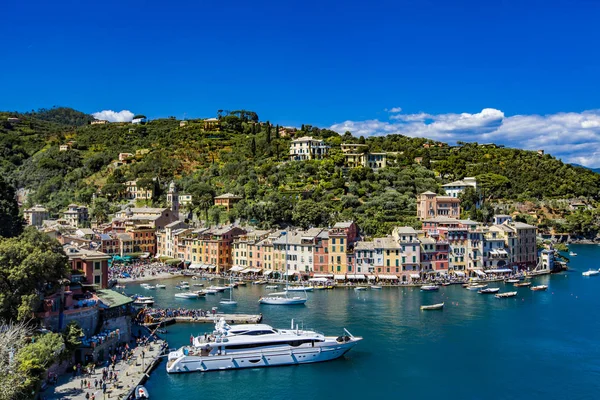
(257, 345)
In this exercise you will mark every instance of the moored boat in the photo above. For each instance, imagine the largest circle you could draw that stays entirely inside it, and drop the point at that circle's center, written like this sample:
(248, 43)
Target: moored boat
(257, 345)
(187, 295)
(271, 287)
(429, 288)
(376, 287)
(433, 307)
(489, 290)
(539, 288)
(299, 289)
(260, 282)
(476, 287)
(360, 288)
(505, 295)
(159, 286)
(572, 254)
(512, 280)
(141, 393)
(522, 284)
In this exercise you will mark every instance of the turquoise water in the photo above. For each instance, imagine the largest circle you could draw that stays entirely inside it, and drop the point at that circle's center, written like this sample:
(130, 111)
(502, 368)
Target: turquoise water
(538, 345)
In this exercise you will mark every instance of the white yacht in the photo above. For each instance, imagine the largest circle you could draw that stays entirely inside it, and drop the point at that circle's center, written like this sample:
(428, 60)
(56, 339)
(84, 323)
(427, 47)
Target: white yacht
(299, 289)
(591, 272)
(257, 345)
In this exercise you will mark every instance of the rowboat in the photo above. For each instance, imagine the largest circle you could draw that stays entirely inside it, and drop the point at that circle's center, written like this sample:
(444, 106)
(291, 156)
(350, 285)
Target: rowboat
(489, 290)
(360, 288)
(433, 307)
(260, 282)
(512, 281)
(522, 284)
(376, 287)
(539, 288)
(429, 288)
(505, 295)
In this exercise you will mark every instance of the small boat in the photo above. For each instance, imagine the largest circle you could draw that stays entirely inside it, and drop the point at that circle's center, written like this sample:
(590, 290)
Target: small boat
(282, 300)
(446, 284)
(572, 254)
(271, 287)
(512, 281)
(163, 331)
(539, 288)
(210, 291)
(184, 283)
(240, 283)
(188, 295)
(200, 293)
(260, 282)
(182, 287)
(143, 301)
(120, 286)
(476, 287)
(141, 393)
(198, 284)
(523, 284)
(439, 306)
(194, 278)
(376, 287)
(429, 288)
(299, 289)
(505, 295)
(219, 289)
(360, 288)
(489, 290)
(161, 286)
(320, 287)
(591, 272)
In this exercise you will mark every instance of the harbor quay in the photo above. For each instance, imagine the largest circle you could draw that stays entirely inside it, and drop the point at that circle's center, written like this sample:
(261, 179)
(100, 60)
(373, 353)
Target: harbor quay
(130, 372)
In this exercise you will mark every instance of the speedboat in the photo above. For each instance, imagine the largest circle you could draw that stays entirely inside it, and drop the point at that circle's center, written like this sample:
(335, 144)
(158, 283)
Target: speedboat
(572, 254)
(260, 282)
(210, 291)
(512, 281)
(429, 288)
(439, 306)
(505, 295)
(150, 287)
(198, 284)
(489, 290)
(477, 287)
(161, 286)
(271, 287)
(257, 345)
(376, 287)
(141, 393)
(143, 300)
(180, 287)
(184, 283)
(539, 288)
(360, 288)
(591, 272)
(299, 289)
(219, 288)
(187, 295)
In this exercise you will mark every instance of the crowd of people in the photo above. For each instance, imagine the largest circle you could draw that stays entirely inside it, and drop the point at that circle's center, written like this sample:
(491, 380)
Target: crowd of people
(139, 269)
(148, 315)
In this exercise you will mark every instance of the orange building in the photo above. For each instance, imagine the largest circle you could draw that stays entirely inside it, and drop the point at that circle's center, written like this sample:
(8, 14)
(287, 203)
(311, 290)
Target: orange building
(430, 205)
(227, 200)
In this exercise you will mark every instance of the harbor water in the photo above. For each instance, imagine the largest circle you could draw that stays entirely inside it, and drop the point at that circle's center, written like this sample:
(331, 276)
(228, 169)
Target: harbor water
(535, 345)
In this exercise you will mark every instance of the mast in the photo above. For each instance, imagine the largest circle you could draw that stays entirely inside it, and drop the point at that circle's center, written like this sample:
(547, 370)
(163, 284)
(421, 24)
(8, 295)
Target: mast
(286, 263)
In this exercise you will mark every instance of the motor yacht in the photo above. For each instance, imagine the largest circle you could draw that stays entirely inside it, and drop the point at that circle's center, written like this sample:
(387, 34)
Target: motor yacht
(187, 295)
(591, 272)
(257, 345)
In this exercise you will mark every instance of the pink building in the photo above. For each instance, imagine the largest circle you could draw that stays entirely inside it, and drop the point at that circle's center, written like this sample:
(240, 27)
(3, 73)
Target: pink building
(430, 205)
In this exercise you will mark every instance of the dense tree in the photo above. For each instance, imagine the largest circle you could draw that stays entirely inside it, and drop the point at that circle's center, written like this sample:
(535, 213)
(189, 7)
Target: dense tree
(11, 224)
(30, 264)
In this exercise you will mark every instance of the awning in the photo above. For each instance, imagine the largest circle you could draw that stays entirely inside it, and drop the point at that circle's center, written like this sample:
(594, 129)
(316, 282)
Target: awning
(493, 252)
(459, 273)
(195, 266)
(415, 276)
(267, 272)
(502, 251)
(212, 266)
(498, 271)
(355, 276)
(290, 273)
(236, 268)
(388, 277)
(479, 272)
(339, 277)
(318, 280)
(323, 275)
(204, 266)
(371, 277)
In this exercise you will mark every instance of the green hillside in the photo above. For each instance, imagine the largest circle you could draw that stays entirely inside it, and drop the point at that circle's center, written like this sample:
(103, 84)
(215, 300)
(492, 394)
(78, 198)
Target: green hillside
(247, 158)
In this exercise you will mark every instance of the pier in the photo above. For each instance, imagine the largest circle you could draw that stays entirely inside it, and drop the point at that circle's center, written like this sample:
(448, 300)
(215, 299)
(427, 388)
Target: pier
(152, 322)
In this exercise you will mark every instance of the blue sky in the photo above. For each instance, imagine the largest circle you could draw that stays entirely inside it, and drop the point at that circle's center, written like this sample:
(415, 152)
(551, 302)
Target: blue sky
(339, 64)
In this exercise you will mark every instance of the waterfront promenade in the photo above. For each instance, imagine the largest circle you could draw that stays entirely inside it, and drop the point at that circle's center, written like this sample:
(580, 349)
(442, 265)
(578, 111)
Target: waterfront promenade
(130, 374)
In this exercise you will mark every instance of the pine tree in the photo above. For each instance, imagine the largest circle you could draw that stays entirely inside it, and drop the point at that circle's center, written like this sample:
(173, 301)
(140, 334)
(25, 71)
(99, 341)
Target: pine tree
(253, 147)
(269, 136)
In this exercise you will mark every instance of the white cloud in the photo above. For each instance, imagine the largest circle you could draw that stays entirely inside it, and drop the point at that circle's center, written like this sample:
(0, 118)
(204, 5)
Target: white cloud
(113, 116)
(394, 110)
(573, 137)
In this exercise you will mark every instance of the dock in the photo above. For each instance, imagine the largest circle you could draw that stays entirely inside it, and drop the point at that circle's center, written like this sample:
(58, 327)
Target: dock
(208, 319)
